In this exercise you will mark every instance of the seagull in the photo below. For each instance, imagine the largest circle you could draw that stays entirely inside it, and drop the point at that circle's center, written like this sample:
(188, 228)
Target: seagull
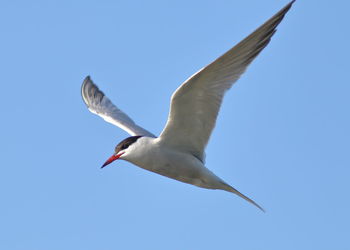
(178, 152)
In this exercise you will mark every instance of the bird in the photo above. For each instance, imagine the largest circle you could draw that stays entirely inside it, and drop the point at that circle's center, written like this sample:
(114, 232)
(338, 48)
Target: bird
(179, 151)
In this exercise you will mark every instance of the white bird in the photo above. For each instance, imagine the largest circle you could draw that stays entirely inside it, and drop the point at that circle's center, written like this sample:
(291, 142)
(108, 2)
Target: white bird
(178, 152)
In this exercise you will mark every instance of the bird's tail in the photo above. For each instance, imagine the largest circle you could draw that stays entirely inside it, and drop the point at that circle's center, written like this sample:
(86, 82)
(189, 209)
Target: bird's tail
(235, 191)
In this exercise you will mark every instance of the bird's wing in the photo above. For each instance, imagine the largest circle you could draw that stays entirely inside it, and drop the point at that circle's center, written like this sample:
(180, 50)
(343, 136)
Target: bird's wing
(99, 104)
(196, 103)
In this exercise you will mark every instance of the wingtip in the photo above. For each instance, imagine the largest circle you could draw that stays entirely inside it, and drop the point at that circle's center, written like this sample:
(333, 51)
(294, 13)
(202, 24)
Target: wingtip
(87, 79)
(284, 10)
(289, 5)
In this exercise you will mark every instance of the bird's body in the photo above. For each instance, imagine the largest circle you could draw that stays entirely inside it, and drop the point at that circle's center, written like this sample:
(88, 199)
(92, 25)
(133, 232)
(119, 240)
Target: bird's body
(178, 152)
(154, 155)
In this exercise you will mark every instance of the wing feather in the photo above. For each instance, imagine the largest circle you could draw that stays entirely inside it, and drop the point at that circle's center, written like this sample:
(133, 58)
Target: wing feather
(99, 104)
(196, 103)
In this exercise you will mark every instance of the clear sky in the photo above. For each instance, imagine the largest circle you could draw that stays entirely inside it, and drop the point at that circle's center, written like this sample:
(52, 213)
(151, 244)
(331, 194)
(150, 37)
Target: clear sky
(282, 136)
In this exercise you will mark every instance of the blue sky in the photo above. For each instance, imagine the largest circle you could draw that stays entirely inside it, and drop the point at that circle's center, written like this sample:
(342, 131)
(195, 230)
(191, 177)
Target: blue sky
(282, 136)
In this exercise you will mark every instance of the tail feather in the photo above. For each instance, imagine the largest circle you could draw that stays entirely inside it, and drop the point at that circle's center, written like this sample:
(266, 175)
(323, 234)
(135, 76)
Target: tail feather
(235, 191)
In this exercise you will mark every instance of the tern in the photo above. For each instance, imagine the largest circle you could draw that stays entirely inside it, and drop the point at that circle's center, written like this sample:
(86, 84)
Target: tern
(178, 152)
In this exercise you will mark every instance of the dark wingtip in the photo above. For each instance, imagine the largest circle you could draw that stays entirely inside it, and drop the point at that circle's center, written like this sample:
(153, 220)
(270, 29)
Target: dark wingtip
(289, 5)
(87, 79)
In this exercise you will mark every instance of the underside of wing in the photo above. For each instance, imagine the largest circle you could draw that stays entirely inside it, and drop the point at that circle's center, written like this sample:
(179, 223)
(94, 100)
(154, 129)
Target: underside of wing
(196, 103)
(99, 104)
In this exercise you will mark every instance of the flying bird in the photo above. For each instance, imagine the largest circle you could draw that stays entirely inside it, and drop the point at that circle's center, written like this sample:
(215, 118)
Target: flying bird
(178, 152)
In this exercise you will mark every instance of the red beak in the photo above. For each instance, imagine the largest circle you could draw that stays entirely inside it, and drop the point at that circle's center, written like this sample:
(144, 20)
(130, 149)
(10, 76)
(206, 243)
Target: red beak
(112, 159)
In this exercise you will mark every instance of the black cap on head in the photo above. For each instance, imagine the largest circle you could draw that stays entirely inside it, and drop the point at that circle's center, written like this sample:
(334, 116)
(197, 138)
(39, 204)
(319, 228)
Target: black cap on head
(124, 144)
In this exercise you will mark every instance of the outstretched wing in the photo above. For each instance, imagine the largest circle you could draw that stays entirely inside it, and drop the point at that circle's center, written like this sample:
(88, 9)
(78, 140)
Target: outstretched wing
(196, 103)
(99, 104)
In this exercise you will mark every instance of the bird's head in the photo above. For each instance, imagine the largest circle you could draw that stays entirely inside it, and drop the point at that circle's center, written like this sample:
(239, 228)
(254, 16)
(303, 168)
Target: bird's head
(121, 149)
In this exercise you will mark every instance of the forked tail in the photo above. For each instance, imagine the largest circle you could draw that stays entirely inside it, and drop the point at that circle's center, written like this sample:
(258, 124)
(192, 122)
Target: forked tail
(235, 191)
